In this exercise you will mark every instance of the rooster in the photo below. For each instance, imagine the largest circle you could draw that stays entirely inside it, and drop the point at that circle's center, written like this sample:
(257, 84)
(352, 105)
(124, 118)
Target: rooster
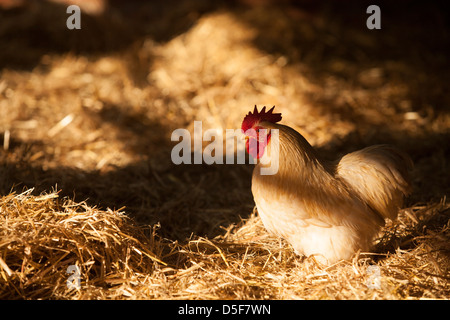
(329, 209)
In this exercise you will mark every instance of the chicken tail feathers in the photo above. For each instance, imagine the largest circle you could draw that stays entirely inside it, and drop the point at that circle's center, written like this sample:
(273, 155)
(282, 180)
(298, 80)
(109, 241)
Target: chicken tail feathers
(380, 175)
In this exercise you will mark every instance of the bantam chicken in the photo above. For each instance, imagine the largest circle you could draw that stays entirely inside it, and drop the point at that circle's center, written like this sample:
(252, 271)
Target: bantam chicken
(326, 209)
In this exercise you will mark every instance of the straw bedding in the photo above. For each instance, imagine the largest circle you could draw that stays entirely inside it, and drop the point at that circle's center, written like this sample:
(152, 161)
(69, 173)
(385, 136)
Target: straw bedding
(86, 119)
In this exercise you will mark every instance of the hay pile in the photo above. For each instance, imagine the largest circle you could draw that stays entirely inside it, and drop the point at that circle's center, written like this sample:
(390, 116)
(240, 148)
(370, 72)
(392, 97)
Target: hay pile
(43, 235)
(85, 125)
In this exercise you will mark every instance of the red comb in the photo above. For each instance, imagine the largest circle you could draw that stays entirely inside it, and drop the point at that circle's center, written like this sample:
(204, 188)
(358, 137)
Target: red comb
(255, 117)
